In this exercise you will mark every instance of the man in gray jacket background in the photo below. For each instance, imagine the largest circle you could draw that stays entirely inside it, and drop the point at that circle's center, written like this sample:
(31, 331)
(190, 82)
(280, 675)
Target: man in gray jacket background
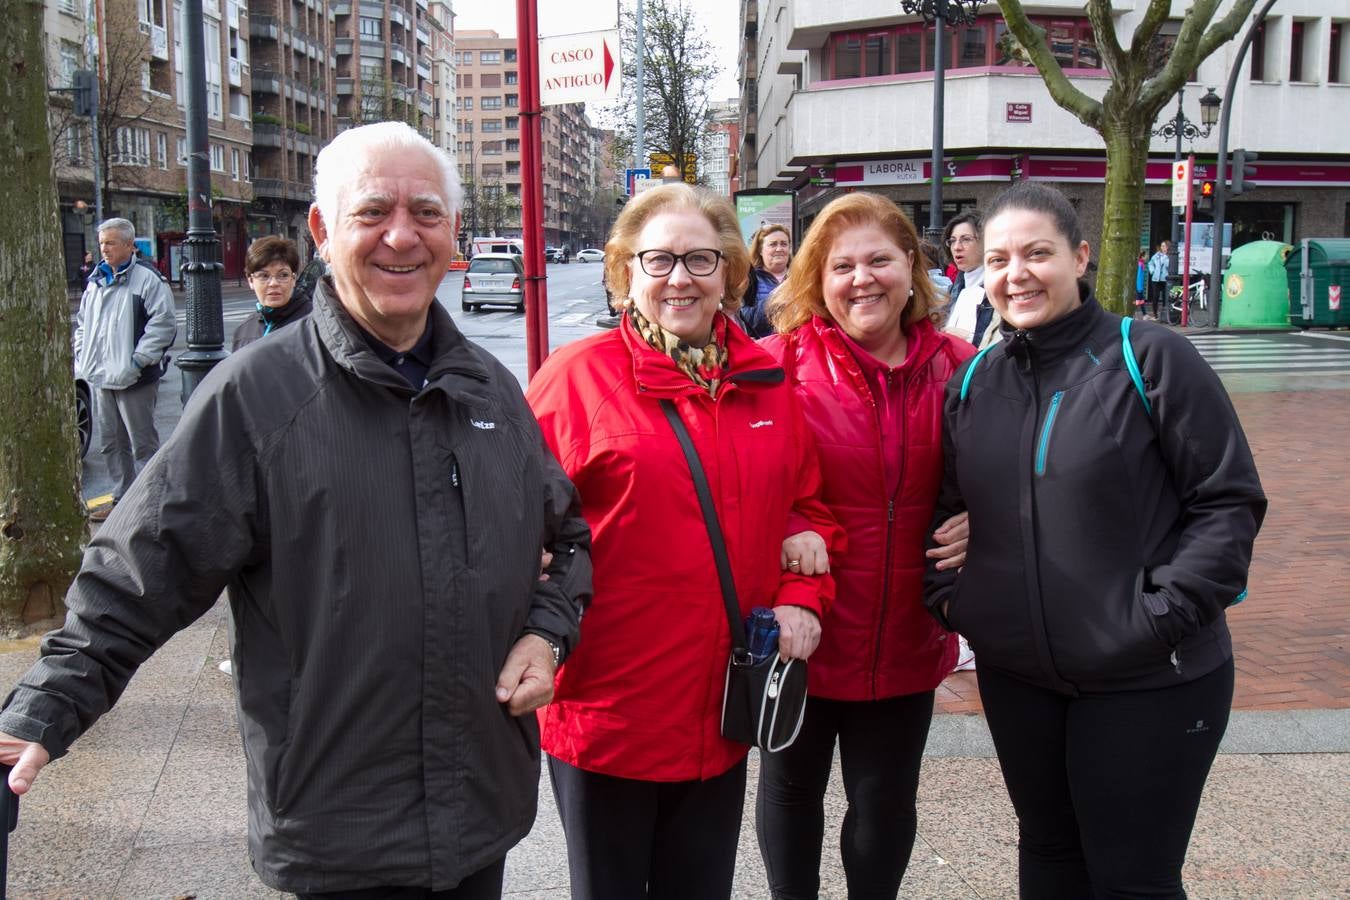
(374, 494)
(124, 326)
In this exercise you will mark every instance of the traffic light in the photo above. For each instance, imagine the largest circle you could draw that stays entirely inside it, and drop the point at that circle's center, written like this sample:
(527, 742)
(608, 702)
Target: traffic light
(1206, 195)
(86, 92)
(1243, 172)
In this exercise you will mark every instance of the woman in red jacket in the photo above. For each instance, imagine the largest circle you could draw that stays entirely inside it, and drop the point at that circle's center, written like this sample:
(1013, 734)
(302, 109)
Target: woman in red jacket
(649, 792)
(858, 343)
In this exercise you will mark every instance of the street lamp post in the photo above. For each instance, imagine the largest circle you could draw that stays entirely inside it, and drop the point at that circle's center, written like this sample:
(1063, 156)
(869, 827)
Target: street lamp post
(940, 13)
(1180, 127)
(201, 268)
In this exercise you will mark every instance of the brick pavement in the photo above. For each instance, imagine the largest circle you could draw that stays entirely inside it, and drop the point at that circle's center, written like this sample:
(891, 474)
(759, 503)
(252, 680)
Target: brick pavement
(1291, 637)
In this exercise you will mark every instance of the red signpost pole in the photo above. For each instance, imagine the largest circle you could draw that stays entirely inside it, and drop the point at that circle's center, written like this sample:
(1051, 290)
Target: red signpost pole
(1186, 271)
(532, 187)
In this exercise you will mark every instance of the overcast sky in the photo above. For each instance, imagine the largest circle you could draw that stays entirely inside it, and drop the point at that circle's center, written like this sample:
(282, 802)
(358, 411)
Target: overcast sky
(721, 19)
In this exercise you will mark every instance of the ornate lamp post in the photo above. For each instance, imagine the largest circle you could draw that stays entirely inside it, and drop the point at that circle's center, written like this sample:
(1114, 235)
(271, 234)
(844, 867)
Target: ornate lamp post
(1180, 127)
(940, 13)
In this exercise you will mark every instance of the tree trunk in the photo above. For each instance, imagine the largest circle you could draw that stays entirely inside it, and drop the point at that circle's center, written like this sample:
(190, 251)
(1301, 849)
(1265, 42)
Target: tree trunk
(41, 520)
(1126, 164)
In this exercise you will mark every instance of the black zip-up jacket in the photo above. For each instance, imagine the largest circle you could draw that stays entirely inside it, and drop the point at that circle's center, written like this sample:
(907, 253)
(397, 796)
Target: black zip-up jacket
(1105, 541)
(381, 550)
(254, 327)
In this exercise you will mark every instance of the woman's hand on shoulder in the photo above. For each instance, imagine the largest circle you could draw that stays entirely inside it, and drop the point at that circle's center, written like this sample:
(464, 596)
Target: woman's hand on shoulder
(952, 537)
(805, 553)
(798, 631)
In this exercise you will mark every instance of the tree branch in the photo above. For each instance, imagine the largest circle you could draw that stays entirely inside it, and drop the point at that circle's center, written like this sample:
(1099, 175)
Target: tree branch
(1062, 91)
(1117, 62)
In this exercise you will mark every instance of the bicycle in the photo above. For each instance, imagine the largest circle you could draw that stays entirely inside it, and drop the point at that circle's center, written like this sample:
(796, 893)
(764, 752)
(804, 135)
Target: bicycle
(1197, 299)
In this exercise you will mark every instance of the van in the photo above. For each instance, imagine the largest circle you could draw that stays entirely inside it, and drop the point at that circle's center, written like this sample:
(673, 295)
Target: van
(498, 245)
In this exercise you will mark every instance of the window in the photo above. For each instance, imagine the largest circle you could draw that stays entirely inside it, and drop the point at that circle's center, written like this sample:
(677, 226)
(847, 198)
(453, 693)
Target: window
(215, 98)
(1334, 66)
(182, 151)
(217, 158)
(490, 103)
(512, 123)
(512, 167)
(371, 28)
(513, 145)
(162, 149)
(75, 143)
(151, 12)
(464, 80)
(512, 78)
(234, 164)
(371, 71)
(68, 6)
(490, 148)
(1296, 51)
(466, 103)
(489, 57)
(131, 147)
(248, 166)
(490, 80)
(70, 61)
(492, 125)
(510, 56)
(512, 101)
(1258, 51)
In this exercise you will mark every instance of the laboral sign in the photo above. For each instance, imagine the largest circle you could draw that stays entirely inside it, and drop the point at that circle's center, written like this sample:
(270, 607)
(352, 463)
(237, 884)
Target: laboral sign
(579, 68)
(881, 171)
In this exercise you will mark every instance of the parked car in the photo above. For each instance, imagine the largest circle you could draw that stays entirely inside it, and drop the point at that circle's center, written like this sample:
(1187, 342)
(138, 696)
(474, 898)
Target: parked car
(590, 254)
(493, 279)
(84, 415)
(555, 254)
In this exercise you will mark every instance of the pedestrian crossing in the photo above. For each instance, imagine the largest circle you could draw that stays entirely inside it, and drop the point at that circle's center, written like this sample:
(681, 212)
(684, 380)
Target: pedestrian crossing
(1276, 354)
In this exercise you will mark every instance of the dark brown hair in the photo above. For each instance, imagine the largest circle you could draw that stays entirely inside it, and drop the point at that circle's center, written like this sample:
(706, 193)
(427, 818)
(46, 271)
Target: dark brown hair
(267, 250)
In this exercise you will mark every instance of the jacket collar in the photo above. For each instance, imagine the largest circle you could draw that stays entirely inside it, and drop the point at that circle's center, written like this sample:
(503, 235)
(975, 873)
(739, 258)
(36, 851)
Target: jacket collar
(923, 344)
(280, 315)
(455, 369)
(748, 364)
(1049, 343)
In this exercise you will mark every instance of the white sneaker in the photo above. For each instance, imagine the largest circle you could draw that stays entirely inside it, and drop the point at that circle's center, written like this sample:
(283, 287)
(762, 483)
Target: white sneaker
(965, 657)
(226, 666)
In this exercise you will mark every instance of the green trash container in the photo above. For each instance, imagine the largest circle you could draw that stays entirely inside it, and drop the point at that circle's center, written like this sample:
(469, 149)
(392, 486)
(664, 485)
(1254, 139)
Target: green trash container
(1319, 272)
(1255, 290)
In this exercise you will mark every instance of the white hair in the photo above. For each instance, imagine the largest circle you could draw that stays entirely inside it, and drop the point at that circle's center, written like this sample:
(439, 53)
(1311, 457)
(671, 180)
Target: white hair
(339, 163)
(122, 227)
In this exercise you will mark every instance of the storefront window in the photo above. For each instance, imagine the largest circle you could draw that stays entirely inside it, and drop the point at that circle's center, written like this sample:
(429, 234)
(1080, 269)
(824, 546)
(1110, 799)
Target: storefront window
(909, 52)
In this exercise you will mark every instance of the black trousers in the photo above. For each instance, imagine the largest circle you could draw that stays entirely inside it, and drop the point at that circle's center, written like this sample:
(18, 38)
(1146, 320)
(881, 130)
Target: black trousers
(629, 839)
(1158, 299)
(880, 750)
(485, 884)
(1106, 786)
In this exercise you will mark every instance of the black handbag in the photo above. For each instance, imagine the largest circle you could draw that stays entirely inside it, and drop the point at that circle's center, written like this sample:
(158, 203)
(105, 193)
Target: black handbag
(763, 704)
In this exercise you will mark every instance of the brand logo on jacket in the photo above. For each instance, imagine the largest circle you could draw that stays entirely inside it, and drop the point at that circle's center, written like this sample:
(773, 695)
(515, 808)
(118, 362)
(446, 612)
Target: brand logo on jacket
(479, 423)
(761, 423)
(1199, 728)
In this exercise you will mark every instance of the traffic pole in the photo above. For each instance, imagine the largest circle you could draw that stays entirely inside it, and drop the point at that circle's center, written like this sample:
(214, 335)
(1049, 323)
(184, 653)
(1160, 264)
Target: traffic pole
(1186, 272)
(532, 187)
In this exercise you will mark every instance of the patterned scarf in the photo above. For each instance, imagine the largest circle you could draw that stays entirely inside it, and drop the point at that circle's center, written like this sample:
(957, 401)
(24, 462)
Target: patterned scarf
(704, 366)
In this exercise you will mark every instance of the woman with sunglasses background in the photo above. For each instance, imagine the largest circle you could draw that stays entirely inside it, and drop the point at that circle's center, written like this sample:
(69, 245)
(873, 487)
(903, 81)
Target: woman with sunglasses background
(271, 265)
(649, 792)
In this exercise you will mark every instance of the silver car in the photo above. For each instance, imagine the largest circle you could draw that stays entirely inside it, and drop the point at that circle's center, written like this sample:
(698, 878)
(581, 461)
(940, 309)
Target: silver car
(493, 279)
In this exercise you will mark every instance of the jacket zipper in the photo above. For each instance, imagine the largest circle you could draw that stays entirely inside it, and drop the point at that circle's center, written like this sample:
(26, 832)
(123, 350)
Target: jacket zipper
(890, 528)
(1044, 444)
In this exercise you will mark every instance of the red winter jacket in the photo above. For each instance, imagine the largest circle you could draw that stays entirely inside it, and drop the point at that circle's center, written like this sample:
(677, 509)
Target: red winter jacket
(878, 641)
(641, 696)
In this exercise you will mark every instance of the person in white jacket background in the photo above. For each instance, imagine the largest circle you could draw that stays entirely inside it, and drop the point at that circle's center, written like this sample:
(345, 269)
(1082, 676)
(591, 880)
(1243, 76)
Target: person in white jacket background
(123, 329)
(970, 316)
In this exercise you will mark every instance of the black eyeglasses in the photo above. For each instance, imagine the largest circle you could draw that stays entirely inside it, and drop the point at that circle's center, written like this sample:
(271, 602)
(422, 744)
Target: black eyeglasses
(658, 263)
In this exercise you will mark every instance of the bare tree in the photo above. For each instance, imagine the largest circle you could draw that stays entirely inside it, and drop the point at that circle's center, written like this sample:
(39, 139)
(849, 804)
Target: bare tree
(680, 67)
(41, 525)
(1142, 83)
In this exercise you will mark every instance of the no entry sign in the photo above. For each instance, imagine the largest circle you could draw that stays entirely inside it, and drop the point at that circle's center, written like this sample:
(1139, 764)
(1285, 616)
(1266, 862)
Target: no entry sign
(579, 68)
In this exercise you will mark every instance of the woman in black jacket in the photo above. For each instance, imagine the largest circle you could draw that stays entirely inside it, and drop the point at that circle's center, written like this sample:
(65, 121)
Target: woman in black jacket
(1113, 504)
(273, 266)
(770, 252)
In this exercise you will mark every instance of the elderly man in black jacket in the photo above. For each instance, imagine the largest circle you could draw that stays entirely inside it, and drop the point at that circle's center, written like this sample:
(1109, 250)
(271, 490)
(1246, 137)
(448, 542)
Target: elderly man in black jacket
(373, 493)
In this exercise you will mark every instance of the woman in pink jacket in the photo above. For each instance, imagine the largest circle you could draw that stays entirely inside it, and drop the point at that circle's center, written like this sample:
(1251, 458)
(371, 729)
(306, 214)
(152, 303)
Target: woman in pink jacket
(649, 792)
(858, 343)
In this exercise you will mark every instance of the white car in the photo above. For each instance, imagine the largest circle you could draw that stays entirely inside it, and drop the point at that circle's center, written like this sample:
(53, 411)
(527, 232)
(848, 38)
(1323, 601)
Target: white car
(495, 279)
(590, 254)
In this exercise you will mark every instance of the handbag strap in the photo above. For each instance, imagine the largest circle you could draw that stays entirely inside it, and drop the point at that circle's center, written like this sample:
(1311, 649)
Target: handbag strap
(739, 654)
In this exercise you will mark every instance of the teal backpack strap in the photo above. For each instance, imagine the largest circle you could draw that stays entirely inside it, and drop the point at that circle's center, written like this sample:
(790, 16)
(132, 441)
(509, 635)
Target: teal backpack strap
(970, 370)
(1131, 364)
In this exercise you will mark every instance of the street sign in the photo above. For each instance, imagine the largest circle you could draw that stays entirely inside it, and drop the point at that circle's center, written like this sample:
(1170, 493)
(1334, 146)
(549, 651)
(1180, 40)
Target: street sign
(629, 175)
(579, 68)
(641, 184)
(1181, 183)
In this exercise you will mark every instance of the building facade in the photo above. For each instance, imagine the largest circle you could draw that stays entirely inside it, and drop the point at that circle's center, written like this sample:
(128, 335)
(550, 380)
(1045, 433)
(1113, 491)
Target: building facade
(722, 146)
(135, 47)
(487, 145)
(842, 92)
(384, 59)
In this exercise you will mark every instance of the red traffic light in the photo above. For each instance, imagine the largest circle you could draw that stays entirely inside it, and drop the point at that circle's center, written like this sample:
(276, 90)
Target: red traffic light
(1207, 190)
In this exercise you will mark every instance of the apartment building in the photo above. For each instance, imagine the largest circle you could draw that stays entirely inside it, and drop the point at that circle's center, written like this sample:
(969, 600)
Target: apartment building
(845, 87)
(721, 146)
(384, 59)
(488, 144)
(136, 47)
(294, 111)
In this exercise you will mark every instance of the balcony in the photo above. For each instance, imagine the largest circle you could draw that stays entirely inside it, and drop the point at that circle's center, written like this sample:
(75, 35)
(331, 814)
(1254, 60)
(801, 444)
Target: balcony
(398, 54)
(424, 70)
(373, 10)
(424, 101)
(267, 135)
(423, 36)
(264, 27)
(343, 46)
(342, 7)
(423, 5)
(373, 49)
(399, 17)
(266, 81)
(344, 86)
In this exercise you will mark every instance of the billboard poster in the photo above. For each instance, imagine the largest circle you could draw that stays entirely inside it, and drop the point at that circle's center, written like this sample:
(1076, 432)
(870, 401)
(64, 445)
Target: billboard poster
(764, 206)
